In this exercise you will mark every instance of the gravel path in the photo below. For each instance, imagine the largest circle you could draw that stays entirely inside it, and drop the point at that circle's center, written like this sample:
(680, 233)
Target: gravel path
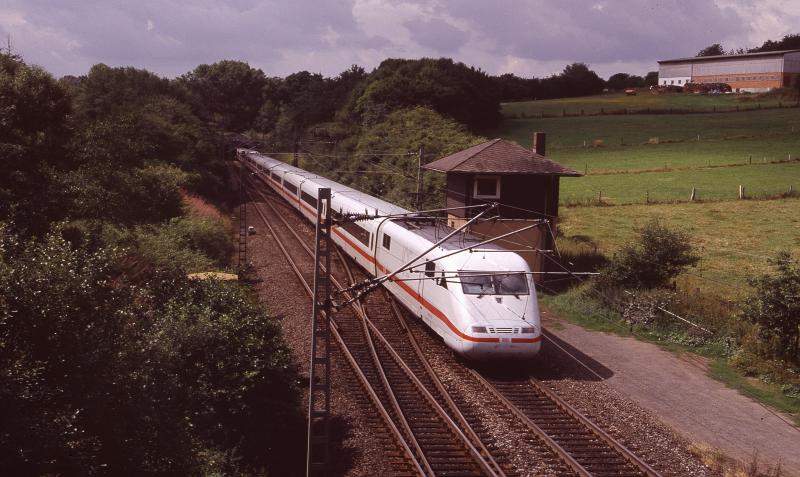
(675, 390)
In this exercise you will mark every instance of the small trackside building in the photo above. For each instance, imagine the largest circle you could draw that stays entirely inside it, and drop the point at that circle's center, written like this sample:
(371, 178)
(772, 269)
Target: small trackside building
(749, 72)
(522, 181)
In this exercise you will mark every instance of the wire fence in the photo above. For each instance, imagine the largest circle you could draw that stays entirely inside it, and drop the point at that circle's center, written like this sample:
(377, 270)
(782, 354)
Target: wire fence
(610, 111)
(670, 194)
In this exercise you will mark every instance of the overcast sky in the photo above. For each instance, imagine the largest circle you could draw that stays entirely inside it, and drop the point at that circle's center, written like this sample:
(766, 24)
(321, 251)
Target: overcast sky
(525, 37)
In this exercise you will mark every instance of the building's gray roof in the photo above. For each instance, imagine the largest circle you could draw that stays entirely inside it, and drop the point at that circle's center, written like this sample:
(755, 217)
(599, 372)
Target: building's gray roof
(499, 156)
(727, 57)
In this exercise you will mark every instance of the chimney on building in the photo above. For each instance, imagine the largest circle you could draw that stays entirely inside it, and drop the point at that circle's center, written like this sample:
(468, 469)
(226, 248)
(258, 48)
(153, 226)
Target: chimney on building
(538, 143)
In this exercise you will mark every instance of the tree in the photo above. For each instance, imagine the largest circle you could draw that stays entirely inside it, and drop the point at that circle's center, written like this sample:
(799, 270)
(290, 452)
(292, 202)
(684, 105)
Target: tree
(580, 80)
(624, 80)
(172, 377)
(774, 305)
(230, 93)
(657, 256)
(788, 42)
(452, 89)
(651, 78)
(33, 114)
(403, 132)
(712, 50)
(105, 90)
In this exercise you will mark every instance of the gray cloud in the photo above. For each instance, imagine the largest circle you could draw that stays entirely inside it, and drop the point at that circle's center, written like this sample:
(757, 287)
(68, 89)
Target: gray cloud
(437, 34)
(171, 37)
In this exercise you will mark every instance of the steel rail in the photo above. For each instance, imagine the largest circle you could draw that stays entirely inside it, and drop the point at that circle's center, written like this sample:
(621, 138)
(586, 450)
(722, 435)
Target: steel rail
(398, 412)
(600, 433)
(443, 392)
(410, 455)
(482, 457)
(552, 444)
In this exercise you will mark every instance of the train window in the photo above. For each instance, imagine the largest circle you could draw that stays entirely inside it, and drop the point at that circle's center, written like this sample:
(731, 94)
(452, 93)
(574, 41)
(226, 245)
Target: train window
(476, 283)
(387, 242)
(357, 231)
(483, 283)
(290, 187)
(308, 199)
(275, 177)
(511, 284)
(429, 269)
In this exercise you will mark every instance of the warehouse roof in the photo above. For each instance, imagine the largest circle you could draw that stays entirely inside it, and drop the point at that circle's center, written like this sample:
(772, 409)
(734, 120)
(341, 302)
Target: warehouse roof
(499, 156)
(727, 57)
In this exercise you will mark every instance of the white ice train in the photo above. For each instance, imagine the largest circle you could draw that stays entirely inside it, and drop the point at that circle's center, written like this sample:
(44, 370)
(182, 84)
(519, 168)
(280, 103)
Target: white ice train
(482, 303)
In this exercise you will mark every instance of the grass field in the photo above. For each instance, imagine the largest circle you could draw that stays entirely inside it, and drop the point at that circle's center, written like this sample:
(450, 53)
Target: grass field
(627, 157)
(635, 158)
(735, 238)
(632, 130)
(644, 100)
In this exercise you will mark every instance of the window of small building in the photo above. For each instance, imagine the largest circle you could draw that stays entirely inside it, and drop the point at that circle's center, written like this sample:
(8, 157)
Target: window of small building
(387, 242)
(487, 187)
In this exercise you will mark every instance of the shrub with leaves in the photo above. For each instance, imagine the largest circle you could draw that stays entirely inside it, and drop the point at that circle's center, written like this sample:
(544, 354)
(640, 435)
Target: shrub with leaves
(774, 306)
(656, 257)
(170, 377)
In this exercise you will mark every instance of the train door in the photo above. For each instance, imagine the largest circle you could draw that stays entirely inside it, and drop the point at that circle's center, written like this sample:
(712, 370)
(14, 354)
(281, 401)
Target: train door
(427, 290)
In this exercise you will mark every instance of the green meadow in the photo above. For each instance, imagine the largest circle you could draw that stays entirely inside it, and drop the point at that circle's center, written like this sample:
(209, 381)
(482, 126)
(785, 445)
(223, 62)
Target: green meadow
(640, 166)
(661, 157)
(734, 238)
(644, 100)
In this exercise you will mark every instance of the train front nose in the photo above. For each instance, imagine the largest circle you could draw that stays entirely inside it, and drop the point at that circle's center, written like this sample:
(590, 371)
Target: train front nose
(512, 339)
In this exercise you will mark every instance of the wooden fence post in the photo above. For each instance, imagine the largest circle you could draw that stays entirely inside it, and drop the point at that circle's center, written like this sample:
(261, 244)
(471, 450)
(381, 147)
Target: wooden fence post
(741, 191)
(693, 196)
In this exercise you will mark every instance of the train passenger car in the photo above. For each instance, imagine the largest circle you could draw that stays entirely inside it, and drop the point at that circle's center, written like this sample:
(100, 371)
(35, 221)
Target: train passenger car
(481, 302)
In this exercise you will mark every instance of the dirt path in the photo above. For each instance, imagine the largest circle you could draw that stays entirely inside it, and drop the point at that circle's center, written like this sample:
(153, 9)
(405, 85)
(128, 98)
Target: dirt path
(682, 394)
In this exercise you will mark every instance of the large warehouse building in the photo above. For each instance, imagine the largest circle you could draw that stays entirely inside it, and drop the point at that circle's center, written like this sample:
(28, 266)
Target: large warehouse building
(752, 72)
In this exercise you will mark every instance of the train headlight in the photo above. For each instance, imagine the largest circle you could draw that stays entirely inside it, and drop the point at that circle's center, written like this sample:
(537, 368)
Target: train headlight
(479, 329)
(529, 330)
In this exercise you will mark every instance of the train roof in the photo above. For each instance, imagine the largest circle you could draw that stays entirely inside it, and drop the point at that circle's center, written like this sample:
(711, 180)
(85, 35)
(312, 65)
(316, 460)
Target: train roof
(436, 232)
(427, 230)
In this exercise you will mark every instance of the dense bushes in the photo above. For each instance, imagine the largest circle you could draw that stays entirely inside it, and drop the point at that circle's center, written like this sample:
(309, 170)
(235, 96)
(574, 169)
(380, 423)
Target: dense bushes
(105, 379)
(653, 260)
(112, 362)
(774, 307)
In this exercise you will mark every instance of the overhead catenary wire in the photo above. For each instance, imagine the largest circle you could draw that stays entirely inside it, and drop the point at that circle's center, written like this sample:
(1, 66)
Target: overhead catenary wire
(606, 226)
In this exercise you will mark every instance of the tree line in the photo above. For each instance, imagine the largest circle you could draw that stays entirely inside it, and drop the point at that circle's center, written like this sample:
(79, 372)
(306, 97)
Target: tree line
(788, 42)
(113, 362)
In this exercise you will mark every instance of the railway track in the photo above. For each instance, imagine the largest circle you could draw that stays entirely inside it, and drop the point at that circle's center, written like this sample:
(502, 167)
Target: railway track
(435, 442)
(441, 433)
(586, 448)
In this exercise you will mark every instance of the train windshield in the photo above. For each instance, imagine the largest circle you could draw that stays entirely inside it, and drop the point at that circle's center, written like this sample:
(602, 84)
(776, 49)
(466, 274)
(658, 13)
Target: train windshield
(482, 283)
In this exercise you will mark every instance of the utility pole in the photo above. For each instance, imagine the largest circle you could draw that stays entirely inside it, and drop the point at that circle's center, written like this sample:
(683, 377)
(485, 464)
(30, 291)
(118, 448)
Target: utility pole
(242, 219)
(296, 147)
(319, 389)
(419, 177)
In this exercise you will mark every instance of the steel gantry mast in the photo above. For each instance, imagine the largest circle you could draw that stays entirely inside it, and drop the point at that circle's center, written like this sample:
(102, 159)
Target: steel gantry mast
(319, 399)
